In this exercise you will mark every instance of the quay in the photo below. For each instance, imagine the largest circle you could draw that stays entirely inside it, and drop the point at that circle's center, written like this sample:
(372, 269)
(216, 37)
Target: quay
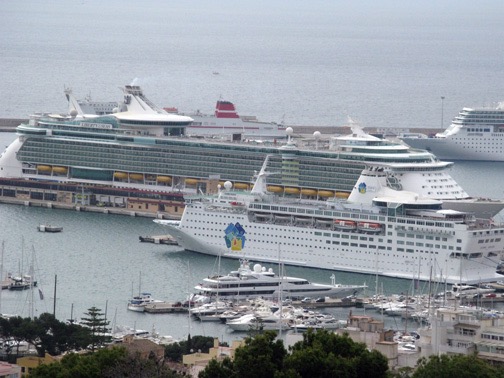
(85, 208)
(162, 239)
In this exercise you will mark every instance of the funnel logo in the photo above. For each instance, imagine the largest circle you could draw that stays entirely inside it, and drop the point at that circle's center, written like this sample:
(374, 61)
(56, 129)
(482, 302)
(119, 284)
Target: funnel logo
(362, 188)
(235, 237)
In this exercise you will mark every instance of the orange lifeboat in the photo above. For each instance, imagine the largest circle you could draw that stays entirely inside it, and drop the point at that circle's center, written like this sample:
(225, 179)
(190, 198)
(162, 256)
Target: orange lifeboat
(370, 227)
(275, 189)
(44, 168)
(120, 175)
(241, 185)
(164, 179)
(341, 195)
(345, 224)
(290, 190)
(60, 170)
(309, 192)
(136, 176)
(325, 193)
(191, 181)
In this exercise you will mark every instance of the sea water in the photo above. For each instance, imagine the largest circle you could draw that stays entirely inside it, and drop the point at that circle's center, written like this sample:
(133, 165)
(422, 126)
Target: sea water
(385, 64)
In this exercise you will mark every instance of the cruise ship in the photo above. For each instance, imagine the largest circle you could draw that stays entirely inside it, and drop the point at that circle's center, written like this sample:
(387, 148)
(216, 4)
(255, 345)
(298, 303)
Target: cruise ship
(143, 148)
(377, 231)
(225, 121)
(474, 134)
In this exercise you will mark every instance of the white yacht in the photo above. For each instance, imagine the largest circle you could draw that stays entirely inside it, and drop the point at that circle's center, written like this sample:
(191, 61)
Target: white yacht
(415, 237)
(247, 283)
(474, 134)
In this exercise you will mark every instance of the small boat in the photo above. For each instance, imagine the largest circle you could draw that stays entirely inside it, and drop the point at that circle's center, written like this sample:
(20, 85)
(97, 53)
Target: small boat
(22, 282)
(49, 228)
(344, 224)
(138, 302)
(369, 227)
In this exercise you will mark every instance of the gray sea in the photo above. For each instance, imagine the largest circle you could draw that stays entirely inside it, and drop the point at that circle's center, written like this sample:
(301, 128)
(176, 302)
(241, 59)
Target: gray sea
(385, 64)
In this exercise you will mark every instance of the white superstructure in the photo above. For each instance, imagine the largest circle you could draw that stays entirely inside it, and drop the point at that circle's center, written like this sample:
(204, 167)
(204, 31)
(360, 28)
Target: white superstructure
(474, 134)
(247, 283)
(394, 233)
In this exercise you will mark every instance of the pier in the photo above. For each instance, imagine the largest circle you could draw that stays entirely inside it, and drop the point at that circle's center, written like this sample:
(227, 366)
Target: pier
(162, 239)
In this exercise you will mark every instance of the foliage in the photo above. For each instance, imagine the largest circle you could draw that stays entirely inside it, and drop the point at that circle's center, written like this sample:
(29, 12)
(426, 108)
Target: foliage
(46, 333)
(460, 366)
(174, 352)
(104, 363)
(320, 354)
(97, 323)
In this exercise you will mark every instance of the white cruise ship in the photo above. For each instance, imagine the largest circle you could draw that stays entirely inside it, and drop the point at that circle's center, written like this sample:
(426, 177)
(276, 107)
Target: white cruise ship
(474, 134)
(250, 283)
(225, 121)
(377, 231)
(141, 150)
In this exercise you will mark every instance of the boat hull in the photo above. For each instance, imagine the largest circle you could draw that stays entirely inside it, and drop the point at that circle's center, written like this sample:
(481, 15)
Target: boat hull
(312, 250)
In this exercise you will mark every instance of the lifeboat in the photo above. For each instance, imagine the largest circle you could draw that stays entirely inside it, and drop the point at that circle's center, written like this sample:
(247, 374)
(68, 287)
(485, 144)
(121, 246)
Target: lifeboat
(120, 175)
(325, 193)
(60, 169)
(342, 195)
(164, 179)
(292, 190)
(345, 224)
(44, 168)
(235, 203)
(309, 192)
(275, 189)
(371, 227)
(136, 176)
(191, 181)
(241, 185)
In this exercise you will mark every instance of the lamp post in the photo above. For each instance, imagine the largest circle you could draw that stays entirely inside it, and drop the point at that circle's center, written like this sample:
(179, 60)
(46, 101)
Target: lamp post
(442, 111)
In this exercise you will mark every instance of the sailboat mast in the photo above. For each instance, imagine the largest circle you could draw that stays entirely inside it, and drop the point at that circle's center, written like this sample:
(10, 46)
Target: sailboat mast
(54, 301)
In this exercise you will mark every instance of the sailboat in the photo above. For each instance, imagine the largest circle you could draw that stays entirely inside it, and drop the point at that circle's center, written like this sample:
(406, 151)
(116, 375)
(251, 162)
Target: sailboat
(22, 281)
(138, 302)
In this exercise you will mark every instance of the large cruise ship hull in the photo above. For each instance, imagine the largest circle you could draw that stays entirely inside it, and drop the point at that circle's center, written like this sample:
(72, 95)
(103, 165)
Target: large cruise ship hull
(449, 149)
(311, 247)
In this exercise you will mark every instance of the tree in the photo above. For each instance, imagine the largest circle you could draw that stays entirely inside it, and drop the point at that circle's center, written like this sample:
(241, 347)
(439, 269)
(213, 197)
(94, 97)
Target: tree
(97, 323)
(261, 356)
(326, 354)
(104, 363)
(320, 354)
(460, 366)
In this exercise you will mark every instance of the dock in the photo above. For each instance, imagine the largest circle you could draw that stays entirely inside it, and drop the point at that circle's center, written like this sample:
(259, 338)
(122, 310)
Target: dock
(165, 308)
(162, 239)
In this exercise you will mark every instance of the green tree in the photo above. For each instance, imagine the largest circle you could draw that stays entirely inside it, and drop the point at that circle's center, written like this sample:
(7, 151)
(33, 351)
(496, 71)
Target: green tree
(97, 323)
(460, 366)
(104, 363)
(326, 354)
(261, 356)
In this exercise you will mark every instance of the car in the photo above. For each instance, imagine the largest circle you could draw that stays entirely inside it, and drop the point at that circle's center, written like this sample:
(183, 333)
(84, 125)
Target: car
(320, 300)
(491, 295)
(306, 300)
